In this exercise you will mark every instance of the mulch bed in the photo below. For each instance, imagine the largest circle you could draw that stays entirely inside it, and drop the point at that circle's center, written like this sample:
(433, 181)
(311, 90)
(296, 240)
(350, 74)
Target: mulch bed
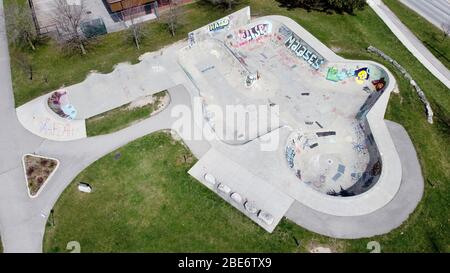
(37, 171)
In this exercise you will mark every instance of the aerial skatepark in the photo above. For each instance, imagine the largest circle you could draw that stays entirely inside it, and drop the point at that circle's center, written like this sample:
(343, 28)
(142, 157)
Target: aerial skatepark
(306, 138)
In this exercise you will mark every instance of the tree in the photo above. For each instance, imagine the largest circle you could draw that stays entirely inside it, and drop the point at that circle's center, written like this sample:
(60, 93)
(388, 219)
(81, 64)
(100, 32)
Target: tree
(20, 26)
(69, 18)
(346, 5)
(225, 3)
(325, 5)
(131, 14)
(173, 16)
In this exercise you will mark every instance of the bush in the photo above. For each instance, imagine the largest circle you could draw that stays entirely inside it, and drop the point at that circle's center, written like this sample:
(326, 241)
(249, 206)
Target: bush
(223, 3)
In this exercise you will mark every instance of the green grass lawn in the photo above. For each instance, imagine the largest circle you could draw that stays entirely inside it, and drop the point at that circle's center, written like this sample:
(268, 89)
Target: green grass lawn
(122, 117)
(431, 36)
(141, 225)
(156, 207)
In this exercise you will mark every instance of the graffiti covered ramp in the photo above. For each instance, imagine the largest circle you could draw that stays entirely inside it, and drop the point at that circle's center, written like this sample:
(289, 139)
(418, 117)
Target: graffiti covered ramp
(333, 153)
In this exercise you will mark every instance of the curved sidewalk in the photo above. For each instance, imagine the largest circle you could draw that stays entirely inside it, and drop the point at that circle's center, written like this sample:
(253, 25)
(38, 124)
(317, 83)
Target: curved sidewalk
(381, 221)
(99, 93)
(410, 41)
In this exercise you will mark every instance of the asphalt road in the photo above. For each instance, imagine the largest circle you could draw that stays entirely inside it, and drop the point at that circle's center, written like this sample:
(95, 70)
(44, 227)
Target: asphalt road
(435, 11)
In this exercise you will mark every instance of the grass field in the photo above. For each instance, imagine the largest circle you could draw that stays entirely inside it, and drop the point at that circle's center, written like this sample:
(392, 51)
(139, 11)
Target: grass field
(431, 36)
(134, 226)
(155, 207)
(122, 117)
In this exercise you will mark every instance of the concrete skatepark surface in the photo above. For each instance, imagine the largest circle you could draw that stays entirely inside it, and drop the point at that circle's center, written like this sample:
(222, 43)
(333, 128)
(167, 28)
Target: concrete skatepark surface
(331, 143)
(22, 220)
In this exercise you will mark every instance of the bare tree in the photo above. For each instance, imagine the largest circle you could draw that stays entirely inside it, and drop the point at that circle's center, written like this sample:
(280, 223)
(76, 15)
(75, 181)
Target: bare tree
(69, 18)
(445, 29)
(131, 16)
(20, 25)
(173, 16)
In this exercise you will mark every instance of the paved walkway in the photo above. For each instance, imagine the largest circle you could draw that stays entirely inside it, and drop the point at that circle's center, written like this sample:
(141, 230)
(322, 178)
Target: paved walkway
(23, 225)
(22, 220)
(381, 221)
(410, 41)
(99, 93)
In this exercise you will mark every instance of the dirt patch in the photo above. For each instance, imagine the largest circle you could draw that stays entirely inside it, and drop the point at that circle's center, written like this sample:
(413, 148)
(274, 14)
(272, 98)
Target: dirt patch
(163, 101)
(336, 49)
(38, 170)
(160, 101)
(315, 247)
(141, 102)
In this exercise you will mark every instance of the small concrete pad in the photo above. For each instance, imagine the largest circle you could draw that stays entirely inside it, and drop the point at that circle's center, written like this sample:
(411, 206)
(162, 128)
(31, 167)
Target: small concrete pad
(262, 195)
(39, 119)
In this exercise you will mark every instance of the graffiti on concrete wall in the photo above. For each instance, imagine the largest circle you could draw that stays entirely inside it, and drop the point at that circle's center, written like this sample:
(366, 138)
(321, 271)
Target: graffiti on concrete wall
(379, 84)
(336, 75)
(304, 51)
(362, 74)
(219, 27)
(251, 34)
(191, 39)
(219, 24)
(59, 103)
(256, 31)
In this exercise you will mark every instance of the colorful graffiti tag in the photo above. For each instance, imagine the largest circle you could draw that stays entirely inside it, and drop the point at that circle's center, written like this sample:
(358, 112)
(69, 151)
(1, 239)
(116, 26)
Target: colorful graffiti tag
(254, 33)
(59, 103)
(379, 84)
(303, 50)
(362, 74)
(219, 24)
(336, 75)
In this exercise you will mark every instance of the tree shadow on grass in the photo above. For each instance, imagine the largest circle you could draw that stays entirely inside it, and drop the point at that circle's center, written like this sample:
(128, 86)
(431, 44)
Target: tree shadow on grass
(223, 6)
(322, 6)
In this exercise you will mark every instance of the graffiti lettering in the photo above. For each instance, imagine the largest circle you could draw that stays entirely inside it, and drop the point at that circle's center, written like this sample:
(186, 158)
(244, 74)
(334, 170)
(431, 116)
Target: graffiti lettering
(256, 31)
(302, 50)
(218, 25)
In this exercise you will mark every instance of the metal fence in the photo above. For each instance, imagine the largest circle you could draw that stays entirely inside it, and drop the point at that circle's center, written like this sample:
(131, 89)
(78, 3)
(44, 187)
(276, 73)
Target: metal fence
(139, 11)
(93, 28)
